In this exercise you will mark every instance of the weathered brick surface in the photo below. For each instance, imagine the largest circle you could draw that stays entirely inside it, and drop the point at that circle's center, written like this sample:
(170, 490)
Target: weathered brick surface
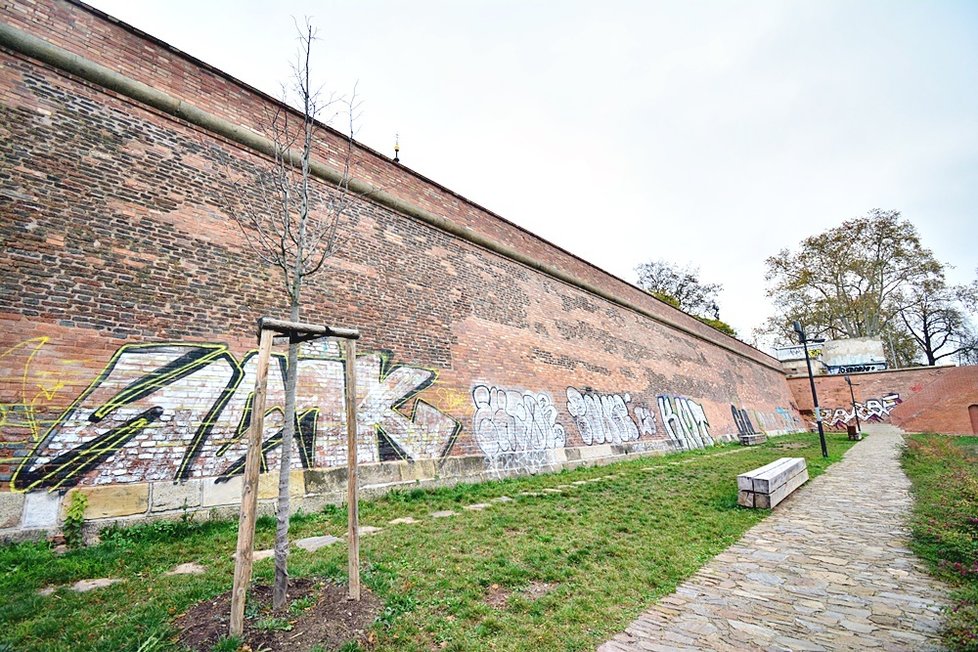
(928, 399)
(130, 299)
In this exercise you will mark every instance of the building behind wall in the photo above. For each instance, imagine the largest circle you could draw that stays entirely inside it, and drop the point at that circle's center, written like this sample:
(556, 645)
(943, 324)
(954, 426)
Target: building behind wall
(845, 356)
(127, 329)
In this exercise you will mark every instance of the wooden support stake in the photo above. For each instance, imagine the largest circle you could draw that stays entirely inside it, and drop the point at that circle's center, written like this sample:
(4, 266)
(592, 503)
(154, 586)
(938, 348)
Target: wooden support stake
(353, 517)
(249, 490)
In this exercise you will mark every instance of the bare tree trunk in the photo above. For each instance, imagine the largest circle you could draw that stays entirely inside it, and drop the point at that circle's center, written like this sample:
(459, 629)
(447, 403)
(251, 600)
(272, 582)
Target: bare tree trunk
(280, 592)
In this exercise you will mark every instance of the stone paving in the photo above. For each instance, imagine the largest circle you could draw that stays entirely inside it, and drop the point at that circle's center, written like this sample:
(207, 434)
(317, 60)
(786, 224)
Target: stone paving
(828, 570)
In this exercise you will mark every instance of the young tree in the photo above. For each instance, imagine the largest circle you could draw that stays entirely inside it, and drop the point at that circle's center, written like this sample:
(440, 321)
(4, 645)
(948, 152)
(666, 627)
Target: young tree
(292, 227)
(935, 315)
(681, 288)
(850, 281)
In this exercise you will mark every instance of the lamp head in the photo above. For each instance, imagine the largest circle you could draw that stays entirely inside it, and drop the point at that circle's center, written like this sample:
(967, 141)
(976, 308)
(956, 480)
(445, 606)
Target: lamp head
(799, 330)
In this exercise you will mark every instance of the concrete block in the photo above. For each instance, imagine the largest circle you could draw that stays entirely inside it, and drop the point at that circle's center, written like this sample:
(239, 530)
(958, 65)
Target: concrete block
(40, 510)
(11, 509)
(325, 481)
(221, 493)
(594, 452)
(168, 496)
(753, 440)
(112, 500)
(419, 470)
(268, 485)
(380, 472)
(461, 467)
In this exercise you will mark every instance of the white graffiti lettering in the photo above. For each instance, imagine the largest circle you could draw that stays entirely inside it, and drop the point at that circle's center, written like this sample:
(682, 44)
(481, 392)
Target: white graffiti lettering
(515, 429)
(685, 422)
(874, 409)
(646, 421)
(601, 418)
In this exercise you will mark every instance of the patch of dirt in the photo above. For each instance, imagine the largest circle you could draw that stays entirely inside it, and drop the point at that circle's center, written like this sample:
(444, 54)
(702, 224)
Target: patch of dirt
(320, 614)
(497, 595)
(537, 590)
(790, 445)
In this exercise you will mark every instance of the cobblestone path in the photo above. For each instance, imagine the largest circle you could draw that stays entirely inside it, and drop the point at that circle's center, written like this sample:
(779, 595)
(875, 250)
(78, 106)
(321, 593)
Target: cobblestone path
(828, 570)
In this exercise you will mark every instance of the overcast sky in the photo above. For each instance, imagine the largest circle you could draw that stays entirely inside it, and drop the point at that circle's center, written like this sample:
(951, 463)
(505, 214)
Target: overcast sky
(712, 133)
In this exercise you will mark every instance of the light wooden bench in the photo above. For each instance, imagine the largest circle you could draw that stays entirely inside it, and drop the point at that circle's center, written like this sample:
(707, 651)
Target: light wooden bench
(768, 485)
(753, 439)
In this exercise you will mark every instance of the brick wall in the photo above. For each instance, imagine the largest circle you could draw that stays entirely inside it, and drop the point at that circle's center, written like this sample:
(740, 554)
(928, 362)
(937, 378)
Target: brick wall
(127, 325)
(924, 399)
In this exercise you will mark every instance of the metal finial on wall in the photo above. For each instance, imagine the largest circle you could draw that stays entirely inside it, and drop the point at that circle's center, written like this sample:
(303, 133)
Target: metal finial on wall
(397, 147)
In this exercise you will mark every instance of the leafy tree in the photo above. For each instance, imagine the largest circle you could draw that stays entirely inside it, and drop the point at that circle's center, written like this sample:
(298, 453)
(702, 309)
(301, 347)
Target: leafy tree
(681, 288)
(850, 280)
(872, 277)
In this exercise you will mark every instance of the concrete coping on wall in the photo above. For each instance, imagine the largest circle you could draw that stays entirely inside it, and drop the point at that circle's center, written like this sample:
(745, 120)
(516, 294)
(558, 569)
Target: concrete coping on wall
(74, 64)
(943, 367)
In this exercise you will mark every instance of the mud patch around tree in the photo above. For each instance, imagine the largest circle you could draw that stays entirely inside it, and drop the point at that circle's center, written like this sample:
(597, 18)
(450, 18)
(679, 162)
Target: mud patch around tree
(318, 612)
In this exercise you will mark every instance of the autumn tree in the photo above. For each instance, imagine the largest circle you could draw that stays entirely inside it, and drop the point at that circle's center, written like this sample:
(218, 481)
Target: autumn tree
(872, 277)
(293, 227)
(682, 288)
(851, 280)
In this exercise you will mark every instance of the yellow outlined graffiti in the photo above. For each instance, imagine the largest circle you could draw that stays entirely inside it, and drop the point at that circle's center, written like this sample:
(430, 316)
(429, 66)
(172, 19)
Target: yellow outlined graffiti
(93, 429)
(29, 398)
(57, 472)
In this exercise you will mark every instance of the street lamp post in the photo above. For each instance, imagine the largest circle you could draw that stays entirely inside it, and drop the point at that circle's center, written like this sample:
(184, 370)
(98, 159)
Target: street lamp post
(855, 412)
(803, 339)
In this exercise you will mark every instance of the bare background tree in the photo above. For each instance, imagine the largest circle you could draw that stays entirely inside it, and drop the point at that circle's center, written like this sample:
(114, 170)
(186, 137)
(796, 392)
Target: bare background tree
(292, 227)
(682, 288)
(935, 315)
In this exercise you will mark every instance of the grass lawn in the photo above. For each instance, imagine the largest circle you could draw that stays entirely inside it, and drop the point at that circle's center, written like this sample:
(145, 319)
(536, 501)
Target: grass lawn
(944, 473)
(606, 550)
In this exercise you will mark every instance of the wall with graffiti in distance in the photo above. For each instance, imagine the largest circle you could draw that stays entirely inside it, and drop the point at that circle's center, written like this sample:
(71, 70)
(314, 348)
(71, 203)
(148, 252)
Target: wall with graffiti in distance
(869, 411)
(518, 430)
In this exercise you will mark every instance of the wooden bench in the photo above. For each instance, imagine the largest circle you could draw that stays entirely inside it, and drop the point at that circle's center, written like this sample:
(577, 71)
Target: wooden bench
(753, 439)
(768, 485)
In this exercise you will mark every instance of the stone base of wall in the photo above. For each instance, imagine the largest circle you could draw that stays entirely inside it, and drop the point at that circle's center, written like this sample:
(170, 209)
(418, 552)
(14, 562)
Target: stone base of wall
(37, 514)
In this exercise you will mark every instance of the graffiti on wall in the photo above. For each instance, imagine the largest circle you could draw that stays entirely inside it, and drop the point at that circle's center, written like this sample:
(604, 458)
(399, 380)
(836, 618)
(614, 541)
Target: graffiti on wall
(742, 421)
(684, 420)
(646, 421)
(601, 418)
(172, 411)
(873, 409)
(514, 428)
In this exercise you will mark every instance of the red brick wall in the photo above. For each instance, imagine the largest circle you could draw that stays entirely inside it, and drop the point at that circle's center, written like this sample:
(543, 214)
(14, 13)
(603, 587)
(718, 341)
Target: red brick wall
(930, 399)
(86, 32)
(130, 300)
